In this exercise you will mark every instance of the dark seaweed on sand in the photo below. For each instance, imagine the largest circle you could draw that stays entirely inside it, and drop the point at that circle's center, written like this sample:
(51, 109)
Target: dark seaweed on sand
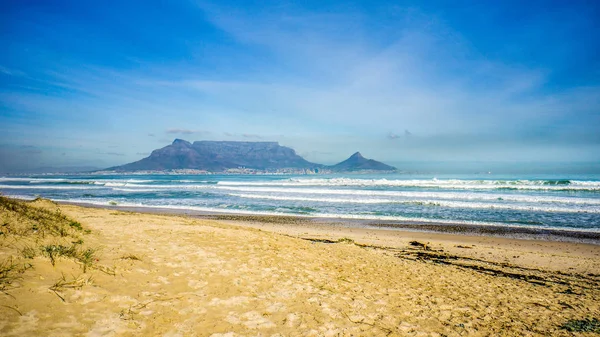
(582, 325)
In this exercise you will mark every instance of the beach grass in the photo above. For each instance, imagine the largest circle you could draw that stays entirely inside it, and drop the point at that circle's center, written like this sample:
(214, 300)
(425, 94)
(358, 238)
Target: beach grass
(24, 219)
(74, 282)
(85, 256)
(39, 229)
(10, 272)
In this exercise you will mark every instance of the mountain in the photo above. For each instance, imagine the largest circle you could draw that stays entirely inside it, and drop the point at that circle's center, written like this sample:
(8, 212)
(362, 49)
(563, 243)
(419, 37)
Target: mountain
(357, 162)
(216, 156)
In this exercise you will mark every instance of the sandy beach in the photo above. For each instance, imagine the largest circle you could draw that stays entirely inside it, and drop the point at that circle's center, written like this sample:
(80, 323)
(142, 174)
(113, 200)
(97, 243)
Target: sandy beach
(173, 275)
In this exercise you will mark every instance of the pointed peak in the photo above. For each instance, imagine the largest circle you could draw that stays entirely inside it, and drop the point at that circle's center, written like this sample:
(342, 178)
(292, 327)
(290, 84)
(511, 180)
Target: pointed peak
(178, 141)
(357, 155)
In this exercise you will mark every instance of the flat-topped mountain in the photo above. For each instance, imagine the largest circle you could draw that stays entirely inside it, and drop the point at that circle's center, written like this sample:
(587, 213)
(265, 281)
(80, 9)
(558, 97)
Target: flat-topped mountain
(357, 162)
(218, 156)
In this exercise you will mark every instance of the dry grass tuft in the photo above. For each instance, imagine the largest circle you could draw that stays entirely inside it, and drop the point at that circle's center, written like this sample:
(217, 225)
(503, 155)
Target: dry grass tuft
(75, 282)
(10, 272)
(131, 257)
(85, 257)
(29, 252)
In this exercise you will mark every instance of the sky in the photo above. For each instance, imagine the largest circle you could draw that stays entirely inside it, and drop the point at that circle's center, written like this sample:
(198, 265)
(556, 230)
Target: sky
(103, 83)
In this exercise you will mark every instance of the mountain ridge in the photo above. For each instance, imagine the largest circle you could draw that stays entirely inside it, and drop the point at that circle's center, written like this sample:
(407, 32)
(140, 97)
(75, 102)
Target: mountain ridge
(220, 156)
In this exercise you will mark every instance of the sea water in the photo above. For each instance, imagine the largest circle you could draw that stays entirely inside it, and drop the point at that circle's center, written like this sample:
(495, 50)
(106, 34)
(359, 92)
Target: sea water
(542, 201)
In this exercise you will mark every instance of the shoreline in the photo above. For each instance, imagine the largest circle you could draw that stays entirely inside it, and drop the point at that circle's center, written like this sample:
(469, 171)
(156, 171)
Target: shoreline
(459, 229)
(503, 247)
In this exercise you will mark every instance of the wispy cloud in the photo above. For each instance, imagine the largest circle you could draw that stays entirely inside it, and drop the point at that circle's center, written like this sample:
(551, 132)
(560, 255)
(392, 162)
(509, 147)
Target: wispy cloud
(11, 72)
(392, 135)
(187, 131)
(252, 136)
(426, 77)
(29, 149)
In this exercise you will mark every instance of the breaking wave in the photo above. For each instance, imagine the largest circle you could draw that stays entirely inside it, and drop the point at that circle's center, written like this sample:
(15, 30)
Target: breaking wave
(560, 185)
(427, 203)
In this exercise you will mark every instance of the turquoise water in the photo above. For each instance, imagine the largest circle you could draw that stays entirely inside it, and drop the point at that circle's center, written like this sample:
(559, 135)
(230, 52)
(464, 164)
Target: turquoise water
(543, 201)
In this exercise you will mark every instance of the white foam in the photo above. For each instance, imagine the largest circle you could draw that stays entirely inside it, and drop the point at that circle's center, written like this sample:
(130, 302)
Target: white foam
(14, 179)
(48, 180)
(431, 183)
(332, 200)
(135, 190)
(321, 215)
(304, 190)
(131, 187)
(117, 184)
(30, 179)
(139, 181)
(22, 197)
(450, 204)
(414, 194)
(45, 187)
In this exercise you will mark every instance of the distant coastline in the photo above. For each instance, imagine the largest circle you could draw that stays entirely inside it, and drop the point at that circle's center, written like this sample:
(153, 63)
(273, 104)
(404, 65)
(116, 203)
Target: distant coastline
(240, 171)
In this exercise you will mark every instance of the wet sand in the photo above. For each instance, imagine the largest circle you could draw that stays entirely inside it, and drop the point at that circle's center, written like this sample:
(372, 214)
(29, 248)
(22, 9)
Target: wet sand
(174, 275)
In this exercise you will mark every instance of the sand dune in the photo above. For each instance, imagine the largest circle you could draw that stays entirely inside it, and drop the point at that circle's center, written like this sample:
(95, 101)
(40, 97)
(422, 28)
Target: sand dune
(158, 275)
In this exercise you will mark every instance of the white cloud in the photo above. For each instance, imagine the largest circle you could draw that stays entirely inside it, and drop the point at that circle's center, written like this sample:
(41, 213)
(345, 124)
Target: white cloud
(187, 131)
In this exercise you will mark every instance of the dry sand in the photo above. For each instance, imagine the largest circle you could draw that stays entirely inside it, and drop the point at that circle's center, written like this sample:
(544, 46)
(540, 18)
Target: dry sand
(207, 278)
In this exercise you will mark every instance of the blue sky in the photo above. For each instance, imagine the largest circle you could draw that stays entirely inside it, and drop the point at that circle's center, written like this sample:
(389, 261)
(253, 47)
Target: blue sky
(102, 83)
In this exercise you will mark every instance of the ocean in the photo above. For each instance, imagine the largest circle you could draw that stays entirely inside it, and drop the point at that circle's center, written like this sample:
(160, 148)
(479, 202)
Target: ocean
(542, 201)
